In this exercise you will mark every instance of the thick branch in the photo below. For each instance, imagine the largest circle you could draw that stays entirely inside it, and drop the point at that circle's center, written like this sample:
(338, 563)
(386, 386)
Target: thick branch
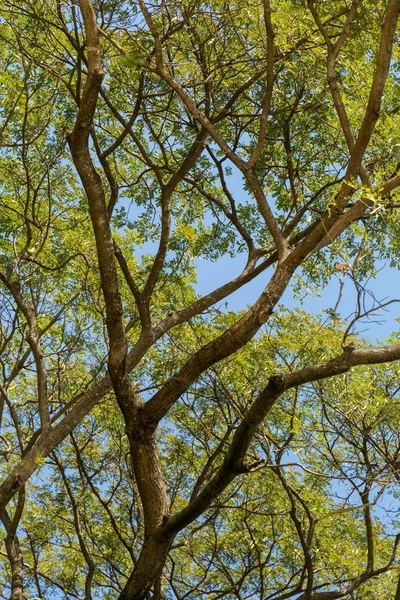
(79, 144)
(226, 344)
(233, 463)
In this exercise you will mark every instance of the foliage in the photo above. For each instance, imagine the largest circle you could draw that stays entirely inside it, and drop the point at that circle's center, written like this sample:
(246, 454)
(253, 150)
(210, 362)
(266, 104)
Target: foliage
(154, 442)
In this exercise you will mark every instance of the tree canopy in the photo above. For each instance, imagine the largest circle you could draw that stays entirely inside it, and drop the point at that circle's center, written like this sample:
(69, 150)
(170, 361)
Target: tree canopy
(154, 442)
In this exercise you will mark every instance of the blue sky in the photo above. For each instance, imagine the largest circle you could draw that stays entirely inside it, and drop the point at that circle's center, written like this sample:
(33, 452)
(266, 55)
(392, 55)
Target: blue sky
(211, 275)
(384, 287)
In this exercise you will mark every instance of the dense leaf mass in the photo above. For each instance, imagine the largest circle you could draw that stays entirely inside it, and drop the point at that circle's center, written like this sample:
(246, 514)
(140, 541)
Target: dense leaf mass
(155, 442)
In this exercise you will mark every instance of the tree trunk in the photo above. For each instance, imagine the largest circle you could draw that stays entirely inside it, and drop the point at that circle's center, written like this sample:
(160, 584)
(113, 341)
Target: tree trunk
(15, 557)
(149, 566)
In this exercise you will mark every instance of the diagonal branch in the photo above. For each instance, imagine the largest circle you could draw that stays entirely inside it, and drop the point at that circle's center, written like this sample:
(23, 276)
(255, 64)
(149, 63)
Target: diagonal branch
(233, 463)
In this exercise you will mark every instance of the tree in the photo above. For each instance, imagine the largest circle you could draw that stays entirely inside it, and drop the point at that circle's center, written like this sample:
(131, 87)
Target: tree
(179, 447)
